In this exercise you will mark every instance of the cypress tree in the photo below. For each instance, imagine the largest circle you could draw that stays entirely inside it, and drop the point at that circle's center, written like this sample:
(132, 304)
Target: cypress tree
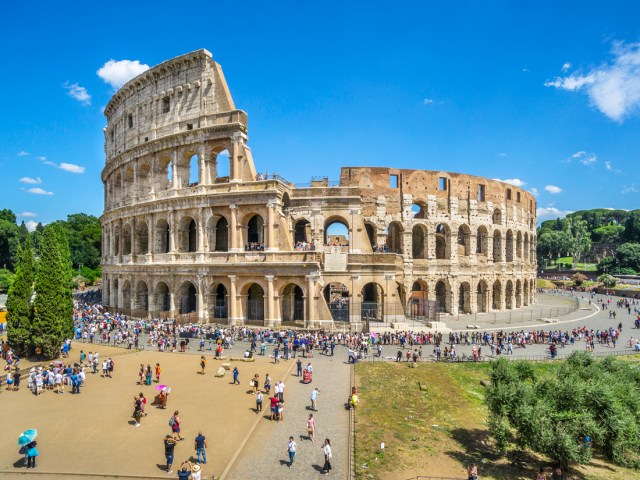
(19, 308)
(53, 304)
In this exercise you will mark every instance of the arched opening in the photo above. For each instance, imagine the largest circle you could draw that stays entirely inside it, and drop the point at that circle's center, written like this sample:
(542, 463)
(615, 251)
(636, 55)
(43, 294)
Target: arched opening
(481, 296)
(220, 309)
(163, 297)
(162, 236)
(222, 235)
(116, 240)
(372, 302)
(164, 174)
(255, 233)
(188, 298)
(143, 180)
(419, 241)
(464, 298)
(443, 242)
(338, 300)
(142, 238)
(193, 236)
(508, 295)
(482, 241)
(286, 202)
(336, 232)
(302, 232)
(525, 298)
(526, 247)
(141, 297)
(519, 245)
(255, 302)
(117, 188)
(496, 218)
(193, 171)
(419, 210)
(518, 293)
(188, 235)
(371, 235)
(394, 237)
(115, 292)
(126, 240)
(419, 305)
(509, 246)
(292, 303)
(219, 167)
(497, 246)
(126, 295)
(129, 185)
(464, 241)
(496, 296)
(442, 297)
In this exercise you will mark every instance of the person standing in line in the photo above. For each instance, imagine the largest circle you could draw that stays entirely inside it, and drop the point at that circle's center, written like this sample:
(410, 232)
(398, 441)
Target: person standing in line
(259, 402)
(169, 446)
(291, 450)
(311, 427)
(314, 397)
(326, 449)
(201, 445)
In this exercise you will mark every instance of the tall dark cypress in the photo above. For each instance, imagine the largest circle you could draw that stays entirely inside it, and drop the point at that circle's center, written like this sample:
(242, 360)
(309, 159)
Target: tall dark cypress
(19, 308)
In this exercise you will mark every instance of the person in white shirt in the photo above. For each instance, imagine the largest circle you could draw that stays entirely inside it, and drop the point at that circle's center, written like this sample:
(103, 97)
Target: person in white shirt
(291, 450)
(326, 448)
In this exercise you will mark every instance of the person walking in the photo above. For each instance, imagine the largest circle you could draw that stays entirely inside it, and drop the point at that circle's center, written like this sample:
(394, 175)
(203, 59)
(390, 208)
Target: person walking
(148, 374)
(203, 364)
(200, 445)
(158, 371)
(169, 446)
(259, 402)
(311, 427)
(291, 451)
(235, 376)
(255, 383)
(314, 398)
(31, 454)
(137, 410)
(326, 449)
(174, 423)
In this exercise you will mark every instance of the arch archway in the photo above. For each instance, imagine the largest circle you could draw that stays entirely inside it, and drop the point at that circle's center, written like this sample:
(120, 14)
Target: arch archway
(508, 295)
(188, 240)
(255, 233)
(255, 302)
(116, 240)
(464, 298)
(509, 246)
(482, 294)
(163, 297)
(117, 188)
(525, 297)
(302, 232)
(194, 171)
(143, 179)
(419, 210)
(525, 250)
(292, 303)
(217, 234)
(141, 296)
(496, 295)
(142, 238)
(419, 300)
(419, 241)
(336, 232)
(482, 241)
(114, 292)
(126, 239)
(443, 297)
(519, 245)
(496, 217)
(126, 295)
(188, 295)
(464, 241)
(220, 302)
(337, 297)
(497, 246)
(372, 307)
(518, 293)
(162, 236)
(443, 242)
(394, 237)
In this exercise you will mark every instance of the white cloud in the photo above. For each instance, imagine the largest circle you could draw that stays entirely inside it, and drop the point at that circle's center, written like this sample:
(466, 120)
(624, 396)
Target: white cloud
(22, 153)
(552, 189)
(525, 70)
(516, 182)
(613, 87)
(27, 214)
(39, 191)
(31, 225)
(70, 167)
(31, 181)
(118, 72)
(427, 101)
(630, 189)
(534, 191)
(79, 93)
(584, 158)
(551, 212)
(609, 166)
(42, 158)
(565, 66)
(502, 154)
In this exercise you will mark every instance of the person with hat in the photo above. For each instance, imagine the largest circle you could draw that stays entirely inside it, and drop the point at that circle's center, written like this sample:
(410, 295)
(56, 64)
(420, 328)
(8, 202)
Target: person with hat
(169, 447)
(196, 472)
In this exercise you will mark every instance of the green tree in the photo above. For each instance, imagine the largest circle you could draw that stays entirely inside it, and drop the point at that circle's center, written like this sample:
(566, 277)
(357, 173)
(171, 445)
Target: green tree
(9, 241)
(628, 256)
(53, 304)
(632, 227)
(19, 309)
(6, 279)
(607, 280)
(579, 237)
(554, 243)
(84, 235)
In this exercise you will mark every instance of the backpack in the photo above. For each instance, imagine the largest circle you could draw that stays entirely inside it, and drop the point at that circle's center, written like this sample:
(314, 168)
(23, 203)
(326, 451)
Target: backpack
(172, 421)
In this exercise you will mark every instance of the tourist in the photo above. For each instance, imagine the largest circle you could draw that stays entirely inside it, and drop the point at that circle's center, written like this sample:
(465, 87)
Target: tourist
(274, 407)
(267, 384)
(200, 445)
(472, 472)
(259, 402)
(31, 454)
(105, 369)
(326, 448)
(281, 390)
(541, 475)
(291, 450)
(143, 404)
(196, 472)
(255, 383)
(558, 475)
(148, 375)
(314, 398)
(110, 368)
(203, 364)
(174, 423)
(141, 374)
(235, 376)
(158, 371)
(16, 379)
(311, 427)
(137, 410)
(280, 407)
(169, 446)
(299, 367)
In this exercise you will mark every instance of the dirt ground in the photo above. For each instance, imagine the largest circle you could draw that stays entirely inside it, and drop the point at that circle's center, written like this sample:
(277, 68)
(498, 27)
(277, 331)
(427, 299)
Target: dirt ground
(93, 432)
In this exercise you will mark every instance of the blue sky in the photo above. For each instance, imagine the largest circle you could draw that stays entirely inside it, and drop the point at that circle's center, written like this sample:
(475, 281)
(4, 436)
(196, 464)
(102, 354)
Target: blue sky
(545, 95)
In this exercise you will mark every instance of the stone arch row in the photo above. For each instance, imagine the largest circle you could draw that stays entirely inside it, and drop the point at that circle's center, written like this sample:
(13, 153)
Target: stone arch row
(497, 217)
(481, 296)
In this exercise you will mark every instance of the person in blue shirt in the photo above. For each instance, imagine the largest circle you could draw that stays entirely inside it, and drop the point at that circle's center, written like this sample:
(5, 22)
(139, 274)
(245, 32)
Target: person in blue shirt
(201, 445)
(235, 376)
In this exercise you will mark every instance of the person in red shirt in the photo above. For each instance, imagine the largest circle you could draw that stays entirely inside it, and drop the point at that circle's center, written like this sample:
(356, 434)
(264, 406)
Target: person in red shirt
(274, 407)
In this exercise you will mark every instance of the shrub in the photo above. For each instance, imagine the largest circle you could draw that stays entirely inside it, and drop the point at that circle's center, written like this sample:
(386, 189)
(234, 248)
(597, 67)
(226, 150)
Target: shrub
(578, 278)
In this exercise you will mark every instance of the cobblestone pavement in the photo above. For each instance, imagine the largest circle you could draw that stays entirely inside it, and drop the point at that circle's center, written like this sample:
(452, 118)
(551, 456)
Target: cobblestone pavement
(264, 455)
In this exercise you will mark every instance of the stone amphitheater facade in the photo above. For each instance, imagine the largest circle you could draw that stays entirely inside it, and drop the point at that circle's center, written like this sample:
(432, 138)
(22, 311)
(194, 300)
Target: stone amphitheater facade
(190, 226)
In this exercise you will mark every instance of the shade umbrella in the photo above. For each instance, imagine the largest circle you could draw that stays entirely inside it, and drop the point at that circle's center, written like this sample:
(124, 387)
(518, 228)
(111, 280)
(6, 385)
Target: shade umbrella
(160, 387)
(27, 437)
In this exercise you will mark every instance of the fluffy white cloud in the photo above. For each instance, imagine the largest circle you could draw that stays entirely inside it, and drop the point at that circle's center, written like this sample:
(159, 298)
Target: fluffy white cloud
(118, 72)
(22, 153)
(534, 191)
(39, 191)
(427, 101)
(516, 182)
(502, 154)
(565, 66)
(609, 166)
(552, 189)
(70, 167)
(630, 189)
(31, 225)
(551, 212)
(31, 181)
(79, 93)
(27, 214)
(613, 87)
(584, 158)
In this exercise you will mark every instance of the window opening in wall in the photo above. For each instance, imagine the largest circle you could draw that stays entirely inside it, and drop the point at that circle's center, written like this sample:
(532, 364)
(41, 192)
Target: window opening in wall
(189, 126)
(130, 120)
(518, 196)
(223, 164)
(146, 139)
(508, 194)
(481, 193)
(418, 211)
(113, 134)
(393, 181)
(442, 185)
(193, 171)
(166, 104)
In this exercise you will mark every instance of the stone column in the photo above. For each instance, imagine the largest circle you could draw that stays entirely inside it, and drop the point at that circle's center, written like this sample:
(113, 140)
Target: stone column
(173, 233)
(311, 301)
(200, 299)
(233, 306)
(270, 317)
(175, 181)
(202, 168)
(233, 225)
(200, 246)
(172, 303)
(271, 234)
(234, 158)
(489, 247)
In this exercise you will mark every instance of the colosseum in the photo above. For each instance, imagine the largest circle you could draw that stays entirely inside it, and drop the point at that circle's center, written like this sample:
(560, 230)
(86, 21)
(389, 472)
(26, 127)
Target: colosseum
(191, 228)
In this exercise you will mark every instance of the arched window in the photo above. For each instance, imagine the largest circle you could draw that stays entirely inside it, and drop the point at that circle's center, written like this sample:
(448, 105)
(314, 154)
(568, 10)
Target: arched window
(418, 241)
(163, 297)
(482, 241)
(126, 240)
(497, 246)
(442, 297)
(372, 302)
(188, 298)
(338, 300)
(497, 217)
(443, 242)
(302, 232)
(142, 238)
(255, 302)
(464, 241)
(292, 303)
(162, 236)
(336, 232)
(194, 171)
(394, 237)
(220, 302)
(255, 231)
(193, 236)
